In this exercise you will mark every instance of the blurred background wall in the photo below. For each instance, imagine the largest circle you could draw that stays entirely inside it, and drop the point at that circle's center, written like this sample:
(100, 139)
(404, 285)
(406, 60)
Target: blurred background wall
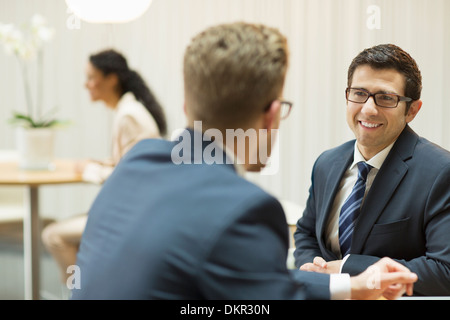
(324, 36)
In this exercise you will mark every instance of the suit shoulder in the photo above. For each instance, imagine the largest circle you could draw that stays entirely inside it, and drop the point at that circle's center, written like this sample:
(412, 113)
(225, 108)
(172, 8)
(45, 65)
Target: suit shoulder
(240, 188)
(429, 152)
(150, 145)
(432, 147)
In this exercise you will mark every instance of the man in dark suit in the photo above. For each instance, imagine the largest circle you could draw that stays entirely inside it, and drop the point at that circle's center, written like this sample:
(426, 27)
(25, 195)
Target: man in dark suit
(176, 220)
(404, 211)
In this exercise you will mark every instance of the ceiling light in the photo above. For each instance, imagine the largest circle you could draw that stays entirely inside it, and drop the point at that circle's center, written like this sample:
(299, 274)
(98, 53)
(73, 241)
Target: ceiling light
(108, 11)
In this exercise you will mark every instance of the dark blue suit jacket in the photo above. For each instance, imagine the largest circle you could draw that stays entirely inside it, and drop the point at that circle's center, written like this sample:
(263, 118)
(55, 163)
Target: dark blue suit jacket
(158, 230)
(405, 216)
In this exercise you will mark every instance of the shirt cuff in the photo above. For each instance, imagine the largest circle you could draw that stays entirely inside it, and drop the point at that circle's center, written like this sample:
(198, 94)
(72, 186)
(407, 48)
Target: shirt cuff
(340, 286)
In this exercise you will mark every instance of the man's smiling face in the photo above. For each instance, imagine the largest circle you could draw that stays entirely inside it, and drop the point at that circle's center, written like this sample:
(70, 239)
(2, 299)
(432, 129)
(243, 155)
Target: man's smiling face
(376, 127)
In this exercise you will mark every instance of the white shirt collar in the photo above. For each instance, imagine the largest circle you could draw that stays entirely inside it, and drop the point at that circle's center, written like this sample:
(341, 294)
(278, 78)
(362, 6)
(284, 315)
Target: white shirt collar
(376, 161)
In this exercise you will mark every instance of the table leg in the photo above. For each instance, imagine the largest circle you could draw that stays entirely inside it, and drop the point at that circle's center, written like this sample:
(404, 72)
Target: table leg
(31, 241)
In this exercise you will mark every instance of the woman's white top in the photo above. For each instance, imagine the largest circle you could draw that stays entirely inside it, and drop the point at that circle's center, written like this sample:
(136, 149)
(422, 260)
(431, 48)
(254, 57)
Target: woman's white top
(132, 123)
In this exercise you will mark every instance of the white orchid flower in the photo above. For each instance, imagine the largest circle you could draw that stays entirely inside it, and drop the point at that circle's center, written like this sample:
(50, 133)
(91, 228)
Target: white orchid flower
(26, 43)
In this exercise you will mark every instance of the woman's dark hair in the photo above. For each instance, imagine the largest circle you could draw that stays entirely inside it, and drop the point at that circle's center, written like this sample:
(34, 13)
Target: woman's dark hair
(389, 56)
(111, 61)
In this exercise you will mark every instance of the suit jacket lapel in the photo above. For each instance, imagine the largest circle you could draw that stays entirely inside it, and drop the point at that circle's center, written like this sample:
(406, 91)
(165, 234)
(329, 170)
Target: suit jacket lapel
(386, 182)
(334, 178)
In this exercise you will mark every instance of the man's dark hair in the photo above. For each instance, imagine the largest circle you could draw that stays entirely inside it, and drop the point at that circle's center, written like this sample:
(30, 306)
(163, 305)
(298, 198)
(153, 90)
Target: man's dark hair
(389, 56)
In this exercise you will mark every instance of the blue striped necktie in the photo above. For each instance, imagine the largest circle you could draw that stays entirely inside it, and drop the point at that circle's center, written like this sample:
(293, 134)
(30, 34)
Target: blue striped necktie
(351, 207)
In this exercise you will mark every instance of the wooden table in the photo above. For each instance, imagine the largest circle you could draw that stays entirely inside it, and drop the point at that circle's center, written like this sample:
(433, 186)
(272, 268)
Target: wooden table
(63, 172)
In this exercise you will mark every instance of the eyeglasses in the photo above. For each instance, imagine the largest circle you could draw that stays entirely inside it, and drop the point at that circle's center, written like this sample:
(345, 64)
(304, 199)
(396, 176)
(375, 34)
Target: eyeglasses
(286, 107)
(385, 100)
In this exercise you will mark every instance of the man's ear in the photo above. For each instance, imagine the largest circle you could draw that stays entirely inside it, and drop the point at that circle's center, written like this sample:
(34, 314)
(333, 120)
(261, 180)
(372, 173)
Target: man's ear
(413, 110)
(272, 116)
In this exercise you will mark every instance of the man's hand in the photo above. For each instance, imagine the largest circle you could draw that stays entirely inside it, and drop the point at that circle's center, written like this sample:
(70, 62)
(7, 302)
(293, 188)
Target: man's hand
(386, 278)
(320, 265)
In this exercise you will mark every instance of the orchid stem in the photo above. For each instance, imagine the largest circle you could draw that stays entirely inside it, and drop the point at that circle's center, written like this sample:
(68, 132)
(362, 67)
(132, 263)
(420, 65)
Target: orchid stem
(27, 89)
(39, 84)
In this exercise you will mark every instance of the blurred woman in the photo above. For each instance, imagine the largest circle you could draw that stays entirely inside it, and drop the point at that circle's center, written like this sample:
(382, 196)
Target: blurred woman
(138, 115)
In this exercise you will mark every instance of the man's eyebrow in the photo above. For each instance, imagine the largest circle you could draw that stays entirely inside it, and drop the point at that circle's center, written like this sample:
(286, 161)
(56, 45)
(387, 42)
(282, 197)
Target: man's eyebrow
(379, 91)
(386, 92)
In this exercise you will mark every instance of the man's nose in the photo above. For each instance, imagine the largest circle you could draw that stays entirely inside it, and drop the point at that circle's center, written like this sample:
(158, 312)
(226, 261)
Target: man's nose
(370, 107)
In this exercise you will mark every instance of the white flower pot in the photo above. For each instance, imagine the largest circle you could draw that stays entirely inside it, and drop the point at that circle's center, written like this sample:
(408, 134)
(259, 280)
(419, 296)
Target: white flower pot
(35, 147)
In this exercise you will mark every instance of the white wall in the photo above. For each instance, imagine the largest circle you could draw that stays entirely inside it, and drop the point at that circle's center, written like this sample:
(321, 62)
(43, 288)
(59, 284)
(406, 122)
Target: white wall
(324, 36)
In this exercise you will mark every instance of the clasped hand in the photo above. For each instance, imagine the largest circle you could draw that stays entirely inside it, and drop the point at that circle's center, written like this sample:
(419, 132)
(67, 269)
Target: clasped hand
(385, 278)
